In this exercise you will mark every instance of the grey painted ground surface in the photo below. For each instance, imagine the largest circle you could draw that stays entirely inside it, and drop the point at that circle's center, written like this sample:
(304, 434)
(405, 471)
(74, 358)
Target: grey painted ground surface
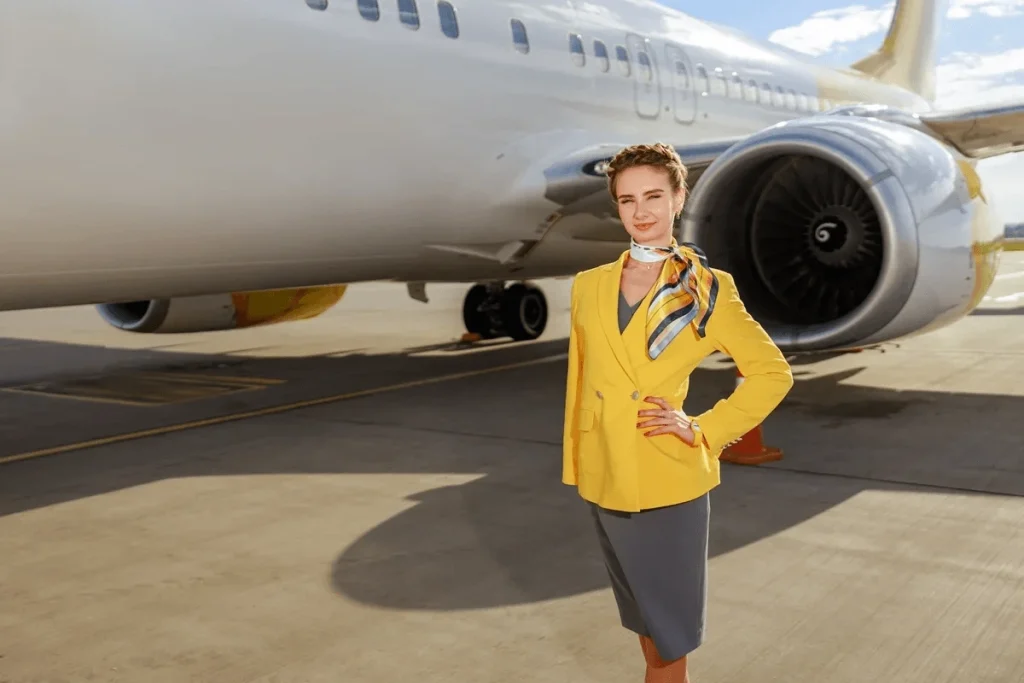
(421, 534)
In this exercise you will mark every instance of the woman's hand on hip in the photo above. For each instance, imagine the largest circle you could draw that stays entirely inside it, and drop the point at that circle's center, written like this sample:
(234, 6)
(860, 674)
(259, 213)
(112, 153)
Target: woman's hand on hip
(667, 420)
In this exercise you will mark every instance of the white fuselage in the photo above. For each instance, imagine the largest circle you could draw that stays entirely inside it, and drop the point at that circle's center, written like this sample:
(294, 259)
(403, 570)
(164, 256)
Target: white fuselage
(202, 146)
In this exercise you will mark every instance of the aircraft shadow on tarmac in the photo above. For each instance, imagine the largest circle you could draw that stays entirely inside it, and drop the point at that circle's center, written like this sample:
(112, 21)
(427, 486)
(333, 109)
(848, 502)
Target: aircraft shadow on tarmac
(515, 534)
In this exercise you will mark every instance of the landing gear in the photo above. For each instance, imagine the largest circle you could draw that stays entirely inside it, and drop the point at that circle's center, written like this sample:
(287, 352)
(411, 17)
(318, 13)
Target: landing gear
(492, 310)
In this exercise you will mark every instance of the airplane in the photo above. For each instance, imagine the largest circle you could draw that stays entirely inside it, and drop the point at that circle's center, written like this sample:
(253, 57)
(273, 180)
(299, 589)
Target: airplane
(193, 165)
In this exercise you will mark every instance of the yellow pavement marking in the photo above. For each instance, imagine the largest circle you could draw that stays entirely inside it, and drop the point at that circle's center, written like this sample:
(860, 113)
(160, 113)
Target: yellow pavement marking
(261, 412)
(200, 377)
(96, 397)
(145, 388)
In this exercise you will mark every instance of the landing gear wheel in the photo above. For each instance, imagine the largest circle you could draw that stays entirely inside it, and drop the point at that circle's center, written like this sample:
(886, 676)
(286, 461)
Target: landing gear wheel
(524, 312)
(475, 314)
(490, 311)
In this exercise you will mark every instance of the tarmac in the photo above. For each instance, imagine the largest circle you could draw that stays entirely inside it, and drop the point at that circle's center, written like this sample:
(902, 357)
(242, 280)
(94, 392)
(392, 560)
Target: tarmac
(360, 498)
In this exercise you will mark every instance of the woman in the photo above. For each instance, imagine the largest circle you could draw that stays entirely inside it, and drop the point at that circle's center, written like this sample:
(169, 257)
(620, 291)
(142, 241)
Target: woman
(640, 325)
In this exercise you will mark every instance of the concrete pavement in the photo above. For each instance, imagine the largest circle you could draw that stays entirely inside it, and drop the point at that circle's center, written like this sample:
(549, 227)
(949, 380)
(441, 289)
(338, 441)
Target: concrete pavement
(421, 532)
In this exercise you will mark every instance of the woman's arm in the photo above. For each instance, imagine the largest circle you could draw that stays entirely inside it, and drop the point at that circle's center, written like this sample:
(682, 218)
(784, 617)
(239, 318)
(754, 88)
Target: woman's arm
(767, 377)
(574, 380)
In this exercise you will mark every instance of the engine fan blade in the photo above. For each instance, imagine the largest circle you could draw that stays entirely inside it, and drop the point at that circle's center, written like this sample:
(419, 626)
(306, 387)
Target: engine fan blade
(816, 240)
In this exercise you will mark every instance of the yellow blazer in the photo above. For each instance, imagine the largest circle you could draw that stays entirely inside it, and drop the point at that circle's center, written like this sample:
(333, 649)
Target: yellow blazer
(605, 455)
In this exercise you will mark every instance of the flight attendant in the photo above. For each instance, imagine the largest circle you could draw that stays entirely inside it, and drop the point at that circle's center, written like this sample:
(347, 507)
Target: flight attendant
(640, 325)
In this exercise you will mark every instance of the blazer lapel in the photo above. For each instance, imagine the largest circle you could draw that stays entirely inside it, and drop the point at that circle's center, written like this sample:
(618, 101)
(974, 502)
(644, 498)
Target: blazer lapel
(608, 311)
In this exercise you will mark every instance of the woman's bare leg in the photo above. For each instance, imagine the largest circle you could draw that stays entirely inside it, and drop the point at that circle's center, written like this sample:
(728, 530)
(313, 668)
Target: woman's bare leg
(660, 671)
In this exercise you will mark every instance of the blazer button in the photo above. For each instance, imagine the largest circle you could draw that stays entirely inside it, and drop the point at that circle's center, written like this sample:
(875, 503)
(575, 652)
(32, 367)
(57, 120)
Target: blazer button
(600, 395)
(636, 395)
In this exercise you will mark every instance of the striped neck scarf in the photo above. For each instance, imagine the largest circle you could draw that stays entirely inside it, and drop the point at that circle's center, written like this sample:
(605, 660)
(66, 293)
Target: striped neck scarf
(685, 292)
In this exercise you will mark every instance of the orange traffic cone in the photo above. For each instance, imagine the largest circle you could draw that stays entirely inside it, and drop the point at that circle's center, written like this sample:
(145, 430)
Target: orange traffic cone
(750, 449)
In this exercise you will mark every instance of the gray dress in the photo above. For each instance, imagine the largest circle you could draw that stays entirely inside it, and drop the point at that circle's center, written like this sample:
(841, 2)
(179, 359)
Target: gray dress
(657, 562)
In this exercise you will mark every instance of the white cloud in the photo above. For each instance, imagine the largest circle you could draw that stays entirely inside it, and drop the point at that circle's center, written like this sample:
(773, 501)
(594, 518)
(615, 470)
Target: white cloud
(823, 30)
(970, 78)
(964, 9)
(961, 78)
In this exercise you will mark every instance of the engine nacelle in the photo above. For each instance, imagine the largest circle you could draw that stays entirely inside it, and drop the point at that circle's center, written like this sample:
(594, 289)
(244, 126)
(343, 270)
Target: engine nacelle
(843, 231)
(221, 311)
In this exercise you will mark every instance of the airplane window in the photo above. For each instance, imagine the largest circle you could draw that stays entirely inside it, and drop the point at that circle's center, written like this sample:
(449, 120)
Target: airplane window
(702, 79)
(317, 4)
(579, 58)
(408, 13)
(736, 87)
(369, 9)
(645, 63)
(449, 22)
(766, 94)
(778, 97)
(791, 99)
(801, 101)
(601, 52)
(718, 84)
(623, 56)
(682, 76)
(519, 38)
(752, 90)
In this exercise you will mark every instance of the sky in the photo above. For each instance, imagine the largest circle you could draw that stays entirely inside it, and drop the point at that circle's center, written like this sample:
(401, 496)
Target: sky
(980, 61)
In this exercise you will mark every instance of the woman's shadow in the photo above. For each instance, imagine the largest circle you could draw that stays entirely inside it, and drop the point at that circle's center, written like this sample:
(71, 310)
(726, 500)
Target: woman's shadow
(498, 541)
(517, 535)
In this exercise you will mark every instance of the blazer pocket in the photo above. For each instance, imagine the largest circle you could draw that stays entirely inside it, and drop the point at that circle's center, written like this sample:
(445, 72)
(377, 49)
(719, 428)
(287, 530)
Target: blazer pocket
(586, 420)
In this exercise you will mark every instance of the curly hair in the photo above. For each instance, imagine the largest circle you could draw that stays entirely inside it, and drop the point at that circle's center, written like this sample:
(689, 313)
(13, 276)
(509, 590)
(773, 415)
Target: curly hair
(658, 154)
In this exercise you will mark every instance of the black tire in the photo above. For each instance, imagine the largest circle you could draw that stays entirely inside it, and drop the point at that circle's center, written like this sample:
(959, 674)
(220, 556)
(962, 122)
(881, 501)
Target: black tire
(475, 320)
(524, 310)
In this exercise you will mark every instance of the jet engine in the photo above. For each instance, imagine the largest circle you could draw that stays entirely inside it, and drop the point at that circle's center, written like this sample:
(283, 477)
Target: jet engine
(842, 231)
(221, 311)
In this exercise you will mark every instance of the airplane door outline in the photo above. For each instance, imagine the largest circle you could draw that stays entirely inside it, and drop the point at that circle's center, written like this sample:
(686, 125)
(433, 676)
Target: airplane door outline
(684, 86)
(646, 84)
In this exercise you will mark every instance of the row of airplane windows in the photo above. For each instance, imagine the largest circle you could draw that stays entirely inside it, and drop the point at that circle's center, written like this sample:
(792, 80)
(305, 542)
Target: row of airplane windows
(719, 84)
(408, 13)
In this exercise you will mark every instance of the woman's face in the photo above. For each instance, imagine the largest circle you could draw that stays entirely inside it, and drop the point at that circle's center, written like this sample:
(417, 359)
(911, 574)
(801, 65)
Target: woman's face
(647, 205)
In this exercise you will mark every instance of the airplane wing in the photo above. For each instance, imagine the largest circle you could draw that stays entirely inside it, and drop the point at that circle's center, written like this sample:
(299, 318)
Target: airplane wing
(980, 132)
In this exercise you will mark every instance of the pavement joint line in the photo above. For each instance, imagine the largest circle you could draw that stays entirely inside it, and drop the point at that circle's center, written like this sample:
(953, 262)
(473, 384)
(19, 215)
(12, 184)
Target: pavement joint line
(770, 467)
(271, 410)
